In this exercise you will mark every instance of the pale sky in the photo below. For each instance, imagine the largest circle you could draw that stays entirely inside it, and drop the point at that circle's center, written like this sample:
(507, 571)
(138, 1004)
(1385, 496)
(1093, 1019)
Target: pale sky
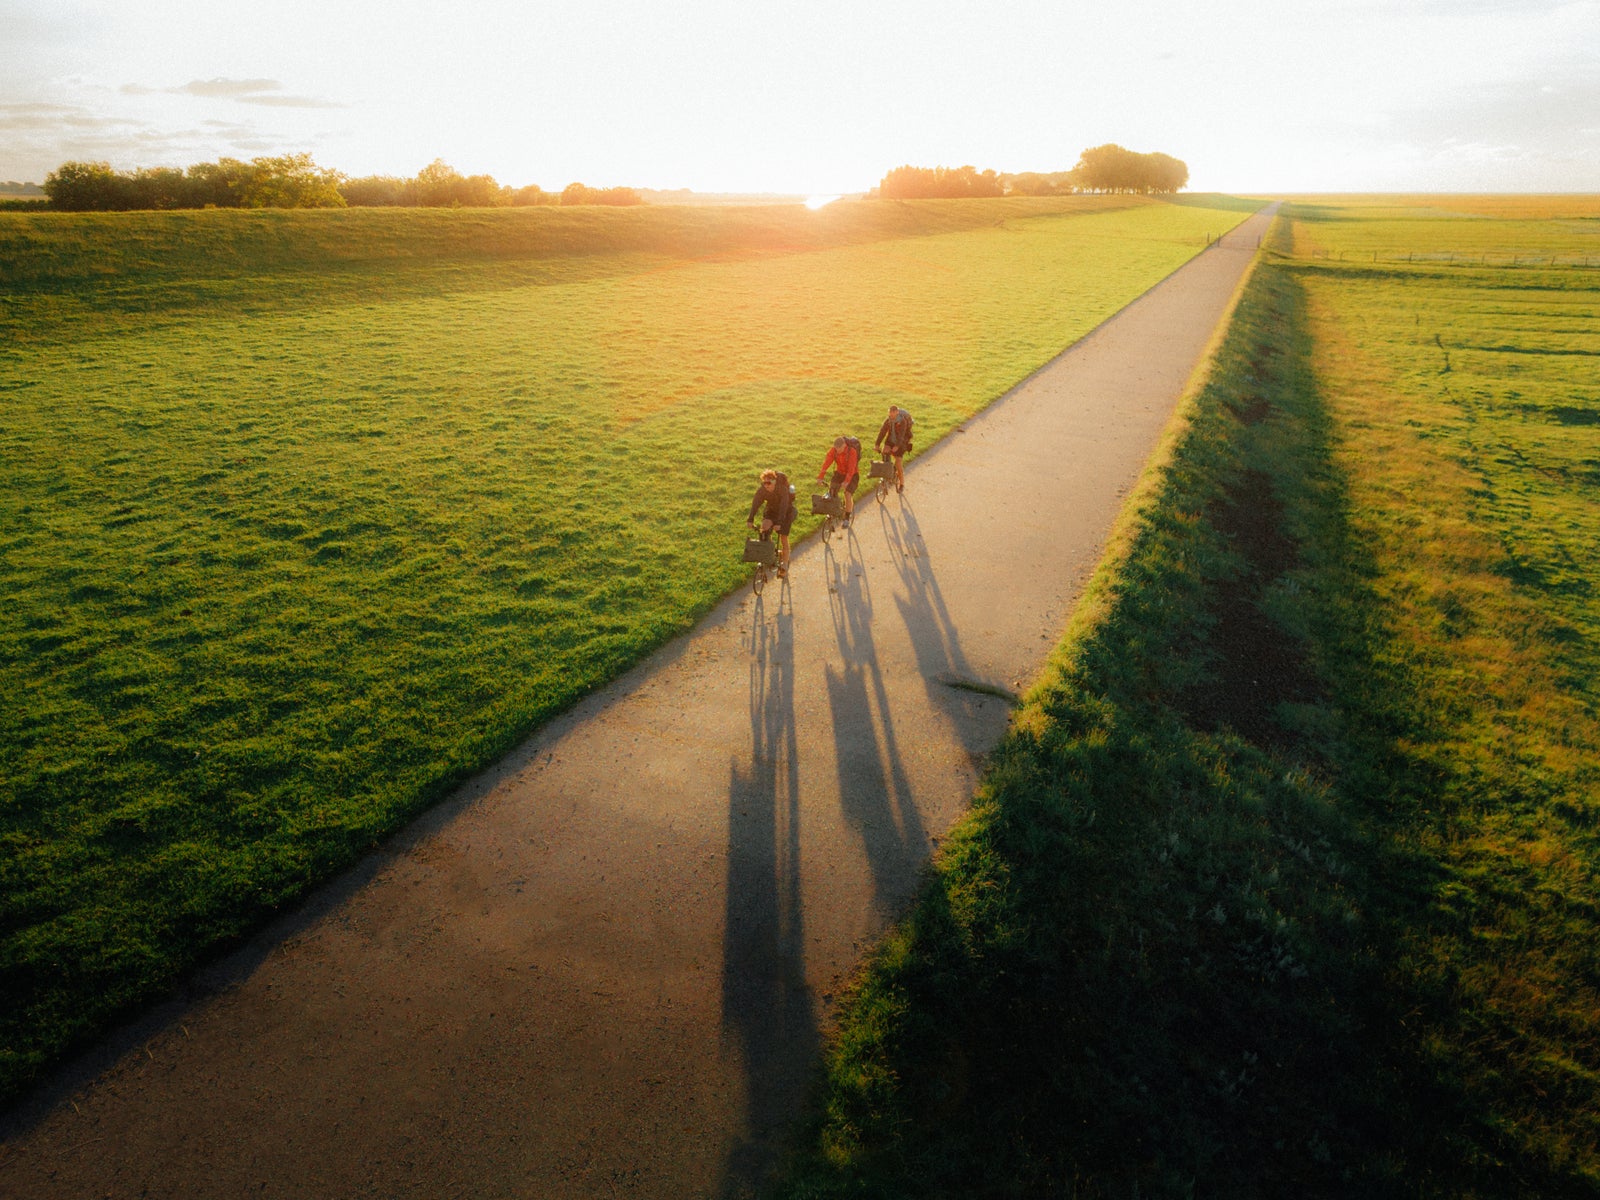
(816, 96)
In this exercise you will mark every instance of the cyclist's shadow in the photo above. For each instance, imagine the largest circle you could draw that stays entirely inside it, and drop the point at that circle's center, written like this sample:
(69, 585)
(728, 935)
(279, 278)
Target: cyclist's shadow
(935, 640)
(769, 1024)
(875, 793)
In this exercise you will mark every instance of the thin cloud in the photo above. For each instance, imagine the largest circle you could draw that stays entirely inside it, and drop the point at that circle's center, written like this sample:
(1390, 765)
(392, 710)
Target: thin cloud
(289, 102)
(41, 136)
(265, 93)
(238, 89)
(25, 118)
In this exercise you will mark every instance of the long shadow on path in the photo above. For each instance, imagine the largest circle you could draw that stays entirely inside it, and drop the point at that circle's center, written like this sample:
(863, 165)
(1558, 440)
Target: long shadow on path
(769, 1021)
(950, 680)
(874, 790)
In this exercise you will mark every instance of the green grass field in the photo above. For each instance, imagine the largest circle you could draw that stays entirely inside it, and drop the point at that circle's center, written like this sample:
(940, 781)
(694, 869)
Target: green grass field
(1283, 882)
(309, 515)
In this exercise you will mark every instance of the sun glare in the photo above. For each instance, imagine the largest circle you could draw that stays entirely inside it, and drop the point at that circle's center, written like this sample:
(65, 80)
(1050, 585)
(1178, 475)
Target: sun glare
(816, 202)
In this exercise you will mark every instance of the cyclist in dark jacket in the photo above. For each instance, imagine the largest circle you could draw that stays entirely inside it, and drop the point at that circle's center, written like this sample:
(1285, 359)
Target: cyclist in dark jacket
(778, 498)
(894, 440)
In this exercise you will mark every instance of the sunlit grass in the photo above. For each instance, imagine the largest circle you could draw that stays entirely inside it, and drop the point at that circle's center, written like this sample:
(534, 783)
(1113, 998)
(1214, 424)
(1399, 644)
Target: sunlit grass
(307, 518)
(1465, 231)
(1477, 395)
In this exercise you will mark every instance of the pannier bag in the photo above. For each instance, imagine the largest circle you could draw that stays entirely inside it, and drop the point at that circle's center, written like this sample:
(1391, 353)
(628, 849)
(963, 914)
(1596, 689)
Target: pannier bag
(827, 506)
(758, 551)
(882, 468)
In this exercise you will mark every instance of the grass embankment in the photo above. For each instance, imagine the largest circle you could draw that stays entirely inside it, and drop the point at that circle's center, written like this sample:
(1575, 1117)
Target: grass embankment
(1283, 882)
(307, 516)
(89, 270)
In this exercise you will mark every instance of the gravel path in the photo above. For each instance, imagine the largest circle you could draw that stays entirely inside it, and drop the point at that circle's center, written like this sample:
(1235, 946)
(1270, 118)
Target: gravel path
(607, 966)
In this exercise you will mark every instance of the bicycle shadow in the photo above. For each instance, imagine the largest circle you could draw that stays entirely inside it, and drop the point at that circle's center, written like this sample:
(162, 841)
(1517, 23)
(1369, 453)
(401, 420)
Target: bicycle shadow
(875, 792)
(769, 1022)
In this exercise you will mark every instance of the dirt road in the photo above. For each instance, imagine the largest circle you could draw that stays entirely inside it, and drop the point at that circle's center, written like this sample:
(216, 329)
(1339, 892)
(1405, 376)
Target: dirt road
(607, 966)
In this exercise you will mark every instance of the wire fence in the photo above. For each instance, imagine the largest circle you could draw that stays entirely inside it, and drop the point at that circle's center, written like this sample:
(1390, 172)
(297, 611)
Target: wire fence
(1462, 258)
(1453, 257)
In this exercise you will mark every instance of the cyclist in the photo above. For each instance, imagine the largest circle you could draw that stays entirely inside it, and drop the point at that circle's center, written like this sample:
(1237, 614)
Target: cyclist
(778, 498)
(845, 457)
(894, 441)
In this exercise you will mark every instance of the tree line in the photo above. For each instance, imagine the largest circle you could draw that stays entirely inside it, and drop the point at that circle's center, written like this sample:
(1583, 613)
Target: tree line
(926, 183)
(295, 181)
(1108, 168)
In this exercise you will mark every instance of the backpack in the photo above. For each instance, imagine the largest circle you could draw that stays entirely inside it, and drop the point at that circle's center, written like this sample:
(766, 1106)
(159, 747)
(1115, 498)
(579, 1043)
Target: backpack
(855, 444)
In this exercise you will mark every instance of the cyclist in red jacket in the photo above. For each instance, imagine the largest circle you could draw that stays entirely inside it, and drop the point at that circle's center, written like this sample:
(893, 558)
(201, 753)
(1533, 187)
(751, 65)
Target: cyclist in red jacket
(845, 458)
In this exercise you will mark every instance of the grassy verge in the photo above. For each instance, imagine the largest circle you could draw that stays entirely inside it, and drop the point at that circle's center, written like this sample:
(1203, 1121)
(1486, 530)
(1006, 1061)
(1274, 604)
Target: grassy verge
(1282, 882)
(307, 516)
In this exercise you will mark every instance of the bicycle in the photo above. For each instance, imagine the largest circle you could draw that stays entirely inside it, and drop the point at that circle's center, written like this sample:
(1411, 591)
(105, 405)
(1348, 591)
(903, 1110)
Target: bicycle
(832, 507)
(882, 470)
(764, 556)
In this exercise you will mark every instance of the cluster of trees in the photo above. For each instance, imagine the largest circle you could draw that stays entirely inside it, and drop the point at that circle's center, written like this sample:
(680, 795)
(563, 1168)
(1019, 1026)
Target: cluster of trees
(439, 185)
(576, 193)
(1033, 183)
(285, 181)
(295, 181)
(1108, 168)
(926, 183)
